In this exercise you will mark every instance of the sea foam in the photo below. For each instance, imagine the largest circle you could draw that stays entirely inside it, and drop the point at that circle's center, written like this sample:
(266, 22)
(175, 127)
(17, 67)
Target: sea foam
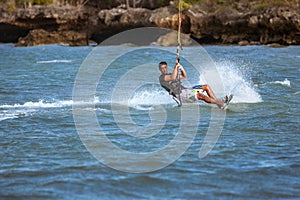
(235, 82)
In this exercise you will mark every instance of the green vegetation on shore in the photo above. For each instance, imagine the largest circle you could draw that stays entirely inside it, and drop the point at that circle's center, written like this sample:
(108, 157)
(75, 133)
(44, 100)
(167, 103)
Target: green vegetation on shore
(209, 4)
(28, 3)
(243, 5)
(259, 2)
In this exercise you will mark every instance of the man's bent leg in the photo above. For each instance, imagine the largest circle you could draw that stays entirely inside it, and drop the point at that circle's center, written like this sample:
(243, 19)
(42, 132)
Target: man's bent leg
(207, 99)
(209, 91)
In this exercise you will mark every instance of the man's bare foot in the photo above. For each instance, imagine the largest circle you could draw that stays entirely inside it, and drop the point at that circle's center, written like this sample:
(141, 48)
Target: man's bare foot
(223, 102)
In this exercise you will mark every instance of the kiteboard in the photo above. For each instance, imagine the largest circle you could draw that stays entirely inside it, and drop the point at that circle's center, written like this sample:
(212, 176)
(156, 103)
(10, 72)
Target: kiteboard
(227, 101)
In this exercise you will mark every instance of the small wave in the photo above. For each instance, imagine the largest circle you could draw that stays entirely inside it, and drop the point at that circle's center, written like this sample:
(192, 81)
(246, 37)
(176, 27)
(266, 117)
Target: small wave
(39, 104)
(296, 93)
(145, 99)
(236, 83)
(43, 104)
(7, 116)
(22, 110)
(53, 61)
(286, 82)
(14, 114)
(150, 96)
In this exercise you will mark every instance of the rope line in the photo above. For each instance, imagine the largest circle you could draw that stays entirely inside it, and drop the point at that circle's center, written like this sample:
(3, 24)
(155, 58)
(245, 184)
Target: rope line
(179, 47)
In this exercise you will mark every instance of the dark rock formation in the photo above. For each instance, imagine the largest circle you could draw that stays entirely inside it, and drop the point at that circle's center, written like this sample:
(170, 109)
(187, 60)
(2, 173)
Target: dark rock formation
(76, 26)
(110, 22)
(170, 39)
(44, 25)
(109, 4)
(274, 25)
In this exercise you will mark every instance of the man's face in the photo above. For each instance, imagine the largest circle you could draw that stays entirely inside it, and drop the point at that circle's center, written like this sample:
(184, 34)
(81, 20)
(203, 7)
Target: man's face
(164, 69)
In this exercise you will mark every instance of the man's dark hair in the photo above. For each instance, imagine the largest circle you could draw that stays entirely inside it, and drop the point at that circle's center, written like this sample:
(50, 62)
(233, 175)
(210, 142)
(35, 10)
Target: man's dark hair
(162, 63)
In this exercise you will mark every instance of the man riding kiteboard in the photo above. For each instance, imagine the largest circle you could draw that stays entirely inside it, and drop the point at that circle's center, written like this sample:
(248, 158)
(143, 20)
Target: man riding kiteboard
(171, 82)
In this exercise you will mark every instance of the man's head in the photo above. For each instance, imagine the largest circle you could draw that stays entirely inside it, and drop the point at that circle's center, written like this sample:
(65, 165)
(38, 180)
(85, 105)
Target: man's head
(163, 67)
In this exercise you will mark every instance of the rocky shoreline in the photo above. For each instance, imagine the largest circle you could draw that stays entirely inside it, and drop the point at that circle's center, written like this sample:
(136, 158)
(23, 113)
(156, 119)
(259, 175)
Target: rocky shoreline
(78, 26)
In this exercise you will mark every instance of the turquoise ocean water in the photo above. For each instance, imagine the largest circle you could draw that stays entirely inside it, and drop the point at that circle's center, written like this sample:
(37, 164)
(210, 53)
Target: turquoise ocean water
(256, 156)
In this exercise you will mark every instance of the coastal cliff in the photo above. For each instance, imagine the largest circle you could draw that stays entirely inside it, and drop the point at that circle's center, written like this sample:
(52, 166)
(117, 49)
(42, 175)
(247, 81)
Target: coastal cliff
(76, 26)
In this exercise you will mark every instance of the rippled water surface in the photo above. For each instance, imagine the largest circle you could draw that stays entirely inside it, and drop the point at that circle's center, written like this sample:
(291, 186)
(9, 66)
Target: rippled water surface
(257, 154)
